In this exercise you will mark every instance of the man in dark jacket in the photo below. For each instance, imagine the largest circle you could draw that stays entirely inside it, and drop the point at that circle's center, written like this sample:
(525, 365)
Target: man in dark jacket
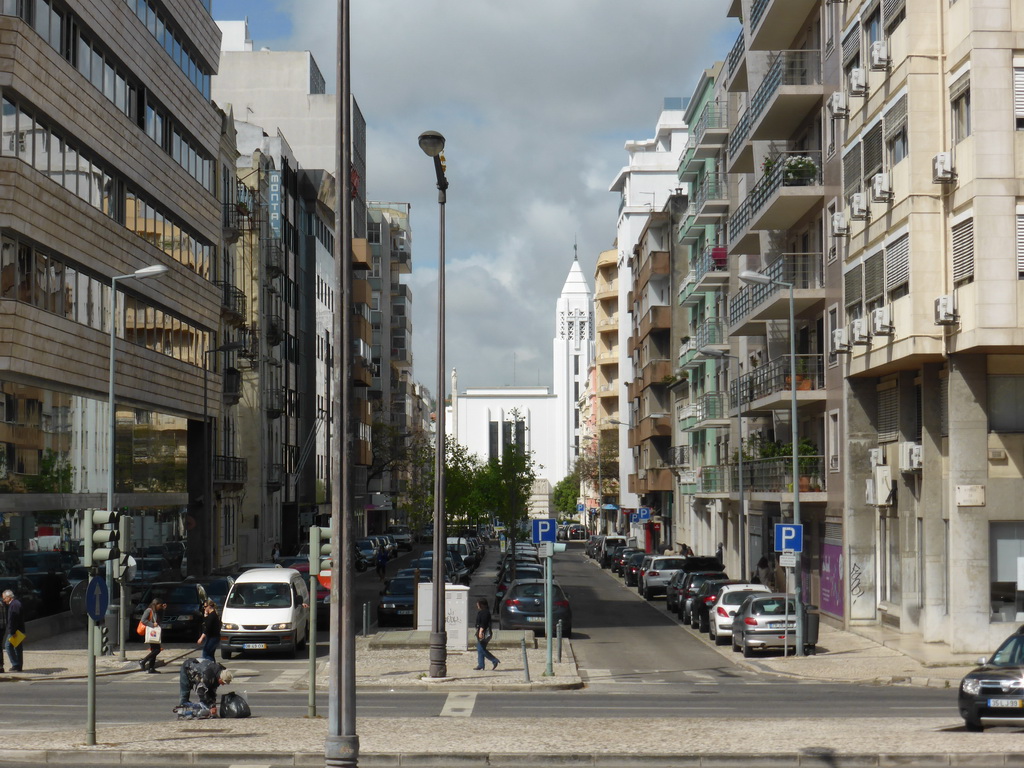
(204, 676)
(15, 623)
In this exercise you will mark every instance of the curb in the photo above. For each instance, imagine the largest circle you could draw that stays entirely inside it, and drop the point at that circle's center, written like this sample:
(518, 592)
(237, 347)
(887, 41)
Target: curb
(15, 677)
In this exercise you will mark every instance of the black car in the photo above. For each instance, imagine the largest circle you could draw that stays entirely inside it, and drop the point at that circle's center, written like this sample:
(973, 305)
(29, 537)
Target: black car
(619, 556)
(993, 693)
(217, 588)
(631, 568)
(705, 600)
(397, 602)
(688, 587)
(183, 616)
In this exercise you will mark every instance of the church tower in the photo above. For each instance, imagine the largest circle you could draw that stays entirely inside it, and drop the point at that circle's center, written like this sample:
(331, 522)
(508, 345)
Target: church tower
(572, 354)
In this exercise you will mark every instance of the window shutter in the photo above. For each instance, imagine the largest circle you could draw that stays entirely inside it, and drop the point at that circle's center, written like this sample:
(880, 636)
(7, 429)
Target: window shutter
(963, 250)
(851, 45)
(896, 118)
(1020, 244)
(944, 406)
(891, 9)
(851, 170)
(1018, 92)
(874, 274)
(853, 288)
(897, 263)
(961, 86)
(872, 152)
(888, 414)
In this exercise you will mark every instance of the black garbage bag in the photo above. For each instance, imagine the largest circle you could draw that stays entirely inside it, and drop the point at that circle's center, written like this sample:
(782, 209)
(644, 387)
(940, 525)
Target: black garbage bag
(233, 705)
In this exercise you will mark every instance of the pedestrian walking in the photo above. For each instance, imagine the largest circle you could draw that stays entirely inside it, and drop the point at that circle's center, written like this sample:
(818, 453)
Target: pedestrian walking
(3, 632)
(275, 553)
(210, 639)
(204, 676)
(720, 554)
(382, 562)
(14, 630)
(483, 636)
(764, 573)
(151, 620)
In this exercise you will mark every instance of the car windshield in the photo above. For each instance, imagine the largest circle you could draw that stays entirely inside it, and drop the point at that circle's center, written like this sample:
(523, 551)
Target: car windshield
(217, 588)
(737, 596)
(637, 558)
(775, 606)
(399, 587)
(172, 593)
(669, 564)
(260, 596)
(537, 590)
(1010, 653)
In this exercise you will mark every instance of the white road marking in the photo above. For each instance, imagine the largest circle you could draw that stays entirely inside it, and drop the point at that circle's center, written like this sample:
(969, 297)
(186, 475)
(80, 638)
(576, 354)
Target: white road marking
(459, 705)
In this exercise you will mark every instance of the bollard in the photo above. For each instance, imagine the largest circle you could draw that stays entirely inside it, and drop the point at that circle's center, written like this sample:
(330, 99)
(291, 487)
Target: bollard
(558, 629)
(526, 663)
(366, 619)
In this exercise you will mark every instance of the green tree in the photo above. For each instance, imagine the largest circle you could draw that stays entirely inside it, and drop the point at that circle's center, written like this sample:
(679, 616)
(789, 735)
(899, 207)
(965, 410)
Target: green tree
(567, 493)
(507, 483)
(599, 464)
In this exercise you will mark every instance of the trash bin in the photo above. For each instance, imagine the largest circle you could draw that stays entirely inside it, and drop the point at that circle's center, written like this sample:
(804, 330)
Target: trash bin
(811, 620)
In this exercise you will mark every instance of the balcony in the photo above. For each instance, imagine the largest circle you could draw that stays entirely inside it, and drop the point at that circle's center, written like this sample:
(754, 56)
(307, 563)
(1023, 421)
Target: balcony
(401, 260)
(275, 330)
(736, 66)
(656, 263)
(605, 290)
(711, 199)
(772, 478)
(713, 480)
(688, 357)
(680, 456)
(275, 477)
(741, 151)
(712, 333)
(686, 294)
(607, 357)
(790, 188)
(655, 319)
(707, 136)
(790, 91)
(230, 470)
(752, 305)
(608, 390)
(654, 479)
(774, 23)
(769, 387)
(274, 401)
(401, 357)
(712, 410)
(232, 391)
(655, 425)
(232, 303)
(273, 256)
(711, 270)
(655, 372)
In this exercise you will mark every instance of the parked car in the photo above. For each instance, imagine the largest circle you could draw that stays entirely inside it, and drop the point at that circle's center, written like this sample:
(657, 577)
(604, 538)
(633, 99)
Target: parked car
(402, 535)
(27, 594)
(705, 600)
(619, 557)
(577, 532)
(764, 621)
(721, 617)
(54, 591)
(397, 600)
(673, 590)
(688, 590)
(523, 607)
(153, 569)
(590, 548)
(607, 545)
(267, 610)
(504, 581)
(654, 580)
(991, 694)
(631, 568)
(183, 617)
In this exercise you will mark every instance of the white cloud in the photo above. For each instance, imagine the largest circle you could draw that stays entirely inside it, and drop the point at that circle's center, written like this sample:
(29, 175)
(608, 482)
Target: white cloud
(535, 98)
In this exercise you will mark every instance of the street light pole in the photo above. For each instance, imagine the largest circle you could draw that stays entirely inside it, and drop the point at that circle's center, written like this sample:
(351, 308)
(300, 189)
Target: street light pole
(139, 274)
(432, 144)
(749, 276)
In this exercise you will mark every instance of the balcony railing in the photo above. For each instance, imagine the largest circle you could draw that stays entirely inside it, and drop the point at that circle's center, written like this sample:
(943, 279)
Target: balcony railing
(714, 186)
(713, 405)
(802, 270)
(679, 456)
(275, 477)
(757, 9)
(799, 67)
(776, 377)
(713, 478)
(275, 330)
(230, 469)
(274, 401)
(801, 168)
(232, 391)
(735, 54)
(714, 258)
(232, 300)
(775, 475)
(711, 332)
(273, 256)
(739, 135)
(714, 116)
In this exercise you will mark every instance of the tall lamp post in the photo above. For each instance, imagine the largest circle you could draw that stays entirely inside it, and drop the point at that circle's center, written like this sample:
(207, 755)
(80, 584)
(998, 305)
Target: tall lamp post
(139, 274)
(709, 352)
(432, 144)
(208, 508)
(756, 278)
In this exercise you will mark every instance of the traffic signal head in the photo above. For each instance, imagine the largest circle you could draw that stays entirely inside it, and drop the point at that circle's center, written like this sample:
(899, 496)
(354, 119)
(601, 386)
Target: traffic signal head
(102, 646)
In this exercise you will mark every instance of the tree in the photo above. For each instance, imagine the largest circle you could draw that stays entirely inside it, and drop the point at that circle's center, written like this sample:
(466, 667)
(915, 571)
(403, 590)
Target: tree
(594, 466)
(507, 482)
(567, 493)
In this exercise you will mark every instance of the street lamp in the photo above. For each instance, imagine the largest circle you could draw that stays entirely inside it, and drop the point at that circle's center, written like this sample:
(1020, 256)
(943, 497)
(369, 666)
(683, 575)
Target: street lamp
(716, 353)
(139, 274)
(206, 564)
(432, 144)
(756, 278)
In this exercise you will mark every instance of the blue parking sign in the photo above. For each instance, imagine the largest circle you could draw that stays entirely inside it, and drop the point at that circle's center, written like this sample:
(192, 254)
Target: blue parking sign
(544, 529)
(789, 537)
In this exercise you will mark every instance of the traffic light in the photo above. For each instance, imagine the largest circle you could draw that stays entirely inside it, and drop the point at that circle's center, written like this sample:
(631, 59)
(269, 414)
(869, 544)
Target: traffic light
(318, 547)
(121, 562)
(102, 646)
(101, 536)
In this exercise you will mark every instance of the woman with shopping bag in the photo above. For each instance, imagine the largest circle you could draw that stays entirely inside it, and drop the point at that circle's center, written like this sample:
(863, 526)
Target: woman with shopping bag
(151, 621)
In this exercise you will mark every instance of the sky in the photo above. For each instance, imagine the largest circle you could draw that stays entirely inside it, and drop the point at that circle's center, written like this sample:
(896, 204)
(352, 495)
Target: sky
(536, 99)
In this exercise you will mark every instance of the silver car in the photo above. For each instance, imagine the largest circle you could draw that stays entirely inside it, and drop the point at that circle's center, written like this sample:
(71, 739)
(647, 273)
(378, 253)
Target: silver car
(654, 579)
(764, 621)
(523, 607)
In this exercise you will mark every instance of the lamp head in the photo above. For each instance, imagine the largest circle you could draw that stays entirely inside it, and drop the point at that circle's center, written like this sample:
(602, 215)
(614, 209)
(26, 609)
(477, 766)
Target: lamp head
(432, 143)
(151, 271)
(754, 278)
(229, 346)
(709, 352)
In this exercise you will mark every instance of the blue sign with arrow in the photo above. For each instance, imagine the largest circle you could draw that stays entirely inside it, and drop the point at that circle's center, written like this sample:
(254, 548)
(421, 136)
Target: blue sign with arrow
(97, 598)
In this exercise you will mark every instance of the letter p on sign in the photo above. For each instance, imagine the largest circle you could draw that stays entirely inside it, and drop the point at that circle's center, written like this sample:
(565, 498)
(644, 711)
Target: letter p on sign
(789, 537)
(544, 529)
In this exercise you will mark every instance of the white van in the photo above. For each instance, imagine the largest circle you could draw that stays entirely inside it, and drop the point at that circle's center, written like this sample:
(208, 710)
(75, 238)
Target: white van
(267, 609)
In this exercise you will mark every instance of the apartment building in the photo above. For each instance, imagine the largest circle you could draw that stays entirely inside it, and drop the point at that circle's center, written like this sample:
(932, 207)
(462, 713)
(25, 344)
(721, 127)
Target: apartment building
(110, 155)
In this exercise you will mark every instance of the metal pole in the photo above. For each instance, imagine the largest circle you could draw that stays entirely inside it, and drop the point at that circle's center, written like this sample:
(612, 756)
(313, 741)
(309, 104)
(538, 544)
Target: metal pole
(207, 526)
(314, 572)
(548, 608)
(796, 470)
(739, 442)
(125, 523)
(341, 747)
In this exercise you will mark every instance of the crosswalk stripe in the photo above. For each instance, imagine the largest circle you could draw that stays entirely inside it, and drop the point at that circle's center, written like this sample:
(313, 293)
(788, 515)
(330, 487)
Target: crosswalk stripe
(459, 705)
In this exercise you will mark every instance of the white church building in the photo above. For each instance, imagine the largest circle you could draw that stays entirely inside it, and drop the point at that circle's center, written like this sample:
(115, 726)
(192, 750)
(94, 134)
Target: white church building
(487, 419)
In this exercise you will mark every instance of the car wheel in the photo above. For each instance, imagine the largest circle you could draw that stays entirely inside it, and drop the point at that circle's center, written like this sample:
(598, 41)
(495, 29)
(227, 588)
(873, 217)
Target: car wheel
(683, 615)
(974, 726)
(694, 621)
(747, 651)
(648, 594)
(719, 640)
(702, 624)
(226, 654)
(735, 647)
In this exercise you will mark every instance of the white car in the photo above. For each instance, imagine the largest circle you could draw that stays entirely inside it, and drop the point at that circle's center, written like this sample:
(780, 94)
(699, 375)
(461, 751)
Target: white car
(729, 600)
(655, 578)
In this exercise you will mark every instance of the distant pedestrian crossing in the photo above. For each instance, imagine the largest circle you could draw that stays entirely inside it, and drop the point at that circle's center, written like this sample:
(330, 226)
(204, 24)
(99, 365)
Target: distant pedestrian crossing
(712, 677)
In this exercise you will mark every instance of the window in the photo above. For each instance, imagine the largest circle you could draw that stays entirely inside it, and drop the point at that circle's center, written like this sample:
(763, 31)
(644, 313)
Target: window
(963, 251)
(1018, 92)
(874, 282)
(872, 153)
(853, 290)
(960, 107)
(897, 267)
(833, 324)
(1006, 547)
(888, 412)
(1006, 403)
(893, 12)
(1020, 241)
(851, 170)
(895, 119)
(873, 26)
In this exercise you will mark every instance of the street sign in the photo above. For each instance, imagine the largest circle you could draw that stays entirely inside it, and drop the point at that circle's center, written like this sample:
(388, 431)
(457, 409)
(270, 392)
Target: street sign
(787, 559)
(789, 537)
(97, 598)
(579, 507)
(644, 513)
(544, 529)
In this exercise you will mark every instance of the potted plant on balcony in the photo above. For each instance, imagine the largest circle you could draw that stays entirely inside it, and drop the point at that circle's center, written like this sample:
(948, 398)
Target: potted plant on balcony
(799, 171)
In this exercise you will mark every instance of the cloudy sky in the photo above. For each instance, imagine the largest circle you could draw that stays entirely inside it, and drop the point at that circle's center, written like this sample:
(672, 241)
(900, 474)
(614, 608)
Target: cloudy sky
(536, 99)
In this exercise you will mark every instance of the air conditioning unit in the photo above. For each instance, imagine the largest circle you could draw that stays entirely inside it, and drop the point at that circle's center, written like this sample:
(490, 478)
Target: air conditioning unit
(945, 310)
(840, 341)
(869, 492)
(858, 206)
(840, 225)
(858, 82)
(942, 168)
(881, 321)
(880, 55)
(882, 474)
(875, 456)
(838, 105)
(910, 457)
(859, 331)
(881, 187)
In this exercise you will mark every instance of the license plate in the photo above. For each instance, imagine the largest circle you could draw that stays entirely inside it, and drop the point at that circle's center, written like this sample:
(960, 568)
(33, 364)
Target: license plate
(781, 625)
(165, 626)
(404, 613)
(255, 646)
(1005, 703)
(535, 618)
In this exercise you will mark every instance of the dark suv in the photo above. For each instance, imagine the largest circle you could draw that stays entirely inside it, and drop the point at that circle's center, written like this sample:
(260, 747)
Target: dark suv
(183, 616)
(993, 694)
